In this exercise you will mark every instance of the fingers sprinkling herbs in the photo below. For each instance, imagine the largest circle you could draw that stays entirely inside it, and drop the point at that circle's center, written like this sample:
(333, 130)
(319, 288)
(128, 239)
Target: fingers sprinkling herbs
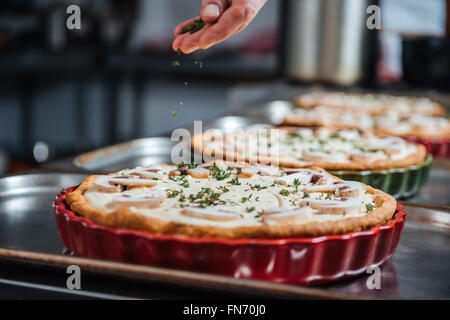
(194, 27)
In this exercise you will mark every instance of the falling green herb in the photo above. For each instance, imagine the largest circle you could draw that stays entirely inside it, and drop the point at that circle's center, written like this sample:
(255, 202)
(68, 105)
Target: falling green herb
(175, 63)
(185, 83)
(174, 114)
(200, 63)
(197, 25)
(179, 51)
(181, 103)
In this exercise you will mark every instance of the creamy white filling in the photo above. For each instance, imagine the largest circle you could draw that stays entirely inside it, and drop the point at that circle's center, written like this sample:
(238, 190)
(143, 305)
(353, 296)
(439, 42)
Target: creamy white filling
(247, 197)
(321, 145)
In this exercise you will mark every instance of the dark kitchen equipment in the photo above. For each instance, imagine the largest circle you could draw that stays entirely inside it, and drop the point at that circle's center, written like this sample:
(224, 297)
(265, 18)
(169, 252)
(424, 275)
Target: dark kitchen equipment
(426, 62)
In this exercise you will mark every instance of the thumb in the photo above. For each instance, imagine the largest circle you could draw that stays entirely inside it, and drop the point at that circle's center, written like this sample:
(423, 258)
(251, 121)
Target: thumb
(212, 10)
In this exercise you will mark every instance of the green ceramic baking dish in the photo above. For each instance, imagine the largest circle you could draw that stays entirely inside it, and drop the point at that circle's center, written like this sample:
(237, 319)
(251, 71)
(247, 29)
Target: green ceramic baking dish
(400, 182)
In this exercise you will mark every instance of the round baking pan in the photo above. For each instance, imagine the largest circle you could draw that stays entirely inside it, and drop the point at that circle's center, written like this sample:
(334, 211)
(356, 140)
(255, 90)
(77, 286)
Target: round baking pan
(290, 260)
(399, 183)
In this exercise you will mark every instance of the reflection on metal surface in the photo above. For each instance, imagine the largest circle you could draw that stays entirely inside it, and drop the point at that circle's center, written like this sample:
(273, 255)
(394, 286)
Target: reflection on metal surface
(141, 152)
(26, 218)
(270, 112)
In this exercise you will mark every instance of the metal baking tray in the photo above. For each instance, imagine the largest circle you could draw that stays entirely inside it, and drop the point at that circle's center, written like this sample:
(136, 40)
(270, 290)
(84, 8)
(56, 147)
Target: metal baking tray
(26, 218)
(28, 235)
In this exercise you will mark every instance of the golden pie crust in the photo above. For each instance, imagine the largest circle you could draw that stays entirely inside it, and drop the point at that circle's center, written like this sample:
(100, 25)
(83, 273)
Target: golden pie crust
(413, 159)
(418, 132)
(316, 99)
(126, 219)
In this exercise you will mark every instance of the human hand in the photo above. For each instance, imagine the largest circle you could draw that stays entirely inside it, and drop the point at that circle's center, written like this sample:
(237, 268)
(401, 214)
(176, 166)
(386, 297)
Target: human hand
(223, 18)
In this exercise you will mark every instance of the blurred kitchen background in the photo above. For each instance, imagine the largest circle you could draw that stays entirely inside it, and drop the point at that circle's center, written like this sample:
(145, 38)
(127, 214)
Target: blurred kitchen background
(64, 92)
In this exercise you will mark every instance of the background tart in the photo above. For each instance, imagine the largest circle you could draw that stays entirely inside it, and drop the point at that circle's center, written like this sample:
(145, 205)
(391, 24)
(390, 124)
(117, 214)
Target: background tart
(230, 200)
(392, 123)
(331, 149)
(373, 104)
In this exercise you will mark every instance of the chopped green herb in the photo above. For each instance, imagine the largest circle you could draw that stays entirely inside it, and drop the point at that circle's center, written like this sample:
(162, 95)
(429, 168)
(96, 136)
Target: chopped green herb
(245, 199)
(197, 25)
(305, 195)
(369, 207)
(296, 184)
(187, 165)
(173, 193)
(185, 183)
(259, 187)
(206, 197)
(218, 173)
(223, 189)
(250, 209)
(284, 192)
(234, 181)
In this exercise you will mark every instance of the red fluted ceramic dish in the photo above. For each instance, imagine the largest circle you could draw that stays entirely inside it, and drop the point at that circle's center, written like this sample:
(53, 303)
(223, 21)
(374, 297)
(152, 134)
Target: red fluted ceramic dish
(290, 260)
(439, 148)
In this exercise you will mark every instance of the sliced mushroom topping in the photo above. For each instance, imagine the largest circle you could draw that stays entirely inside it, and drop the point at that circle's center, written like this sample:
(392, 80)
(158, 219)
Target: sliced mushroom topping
(323, 156)
(279, 216)
(392, 151)
(111, 183)
(303, 175)
(134, 182)
(344, 206)
(150, 200)
(174, 173)
(320, 188)
(350, 189)
(268, 170)
(248, 172)
(320, 179)
(105, 184)
(210, 214)
(144, 174)
(198, 173)
(368, 156)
